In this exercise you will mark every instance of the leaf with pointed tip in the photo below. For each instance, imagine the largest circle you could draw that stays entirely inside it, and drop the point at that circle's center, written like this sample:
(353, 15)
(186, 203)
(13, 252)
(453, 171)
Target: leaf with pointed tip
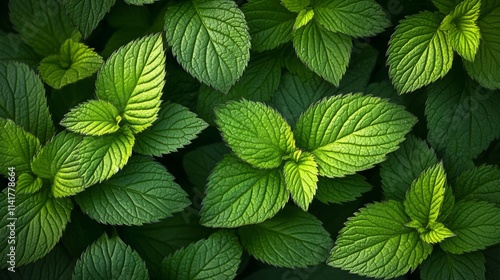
(301, 176)
(28, 183)
(295, 5)
(86, 14)
(481, 183)
(95, 117)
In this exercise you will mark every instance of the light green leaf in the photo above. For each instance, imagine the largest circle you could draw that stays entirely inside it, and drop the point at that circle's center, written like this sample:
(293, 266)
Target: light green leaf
(476, 225)
(28, 183)
(434, 233)
(340, 190)
(349, 133)
(270, 23)
(295, 5)
(217, 49)
(301, 176)
(238, 194)
(324, 52)
(419, 52)
(304, 17)
(298, 239)
(142, 192)
(376, 243)
(86, 14)
(404, 166)
(43, 24)
(255, 132)
(95, 117)
(446, 266)
(23, 100)
(140, 2)
(40, 222)
(17, 147)
(481, 183)
(12, 48)
(216, 258)
(132, 80)
(103, 156)
(357, 18)
(175, 127)
(200, 162)
(60, 162)
(110, 258)
(74, 62)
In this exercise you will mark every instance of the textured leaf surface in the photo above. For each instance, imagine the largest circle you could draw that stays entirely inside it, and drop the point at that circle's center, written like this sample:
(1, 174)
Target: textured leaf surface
(446, 6)
(304, 17)
(217, 258)
(17, 147)
(376, 243)
(442, 265)
(210, 40)
(12, 48)
(132, 79)
(481, 183)
(295, 5)
(255, 132)
(140, 2)
(292, 238)
(324, 52)
(142, 192)
(238, 194)
(28, 183)
(110, 258)
(301, 176)
(419, 53)
(340, 190)
(349, 133)
(95, 117)
(86, 14)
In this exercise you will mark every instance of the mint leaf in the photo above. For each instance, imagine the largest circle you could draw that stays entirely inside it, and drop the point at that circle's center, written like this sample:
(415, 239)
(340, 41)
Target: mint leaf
(446, 6)
(74, 62)
(476, 225)
(443, 265)
(349, 133)
(304, 17)
(298, 239)
(86, 14)
(175, 127)
(301, 176)
(255, 132)
(238, 194)
(60, 162)
(17, 147)
(217, 257)
(324, 52)
(41, 220)
(142, 192)
(28, 183)
(434, 233)
(404, 166)
(340, 190)
(270, 23)
(132, 80)
(95, 117)
(23, 100)
(12, 48)
(43, 24)
(419, 52)
(481, 183)
(139, 2)
(103, 156)
(219, 52)
(295, 5)
(357, 18)
(200, 162)
(110, 258)
(376, 243)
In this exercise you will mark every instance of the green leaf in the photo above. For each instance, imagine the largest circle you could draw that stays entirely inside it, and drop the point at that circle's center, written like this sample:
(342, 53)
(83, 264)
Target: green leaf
(17, 147)
(60, 162)
(446, 6)
(295, 5)
(23, 100)
(175, 127)
(357, 18)
(42, 24)
(446, 266)
(270, 23)
(292, 238)
(238, 194)
(74, 62)
(12, 48)
(39, 221)
(219, 48)
(462, 29)
(87, 14)
(217, 258)
(304, 17)
(95, 117)
(340, 190)
(110, 258)
(481, 183)
(255, 132)
(103, 156)
(27, 183)
(476, 225)
(349, 133)
(140, 2)
(301, 176)
(324, 52)
(404, 166)
(376, 243)
(419, 52)
(142, 192)
(434, 233)
(132, 80)
(200, 162)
